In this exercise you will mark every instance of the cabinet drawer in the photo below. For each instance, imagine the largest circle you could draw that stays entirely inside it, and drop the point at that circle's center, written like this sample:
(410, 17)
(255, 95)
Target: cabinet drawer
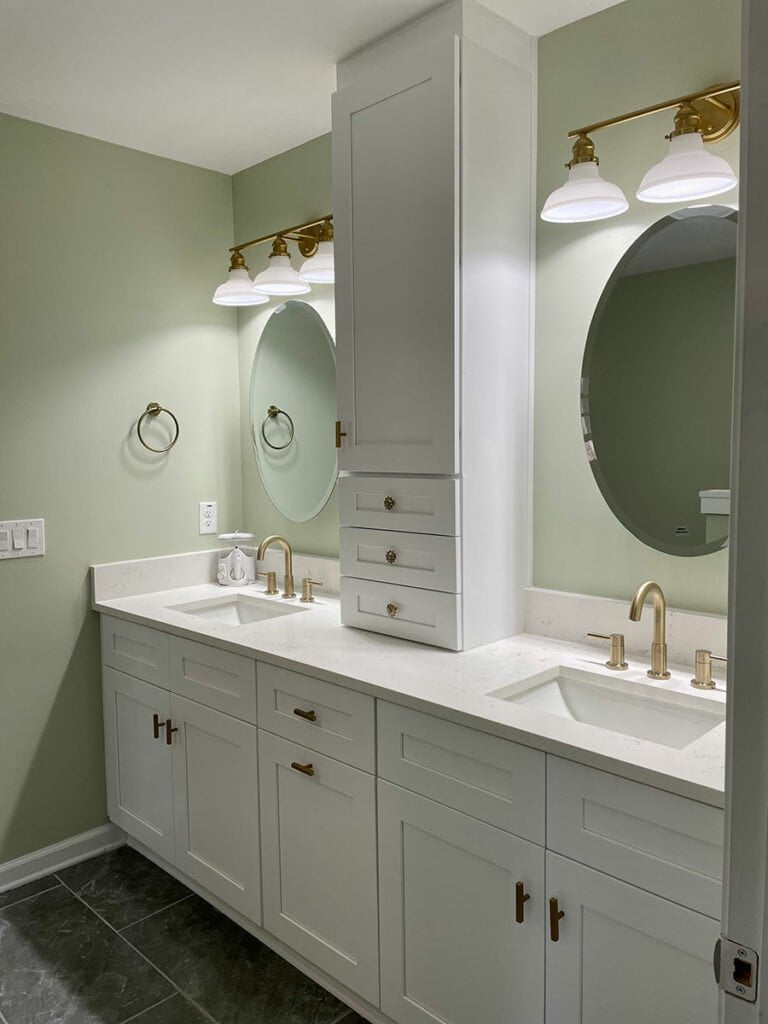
(410, 504)
(137, 650)
(489, 778)
(412, 559)
(328, 718)
(658, 841)
(218, 679)
(429, 616)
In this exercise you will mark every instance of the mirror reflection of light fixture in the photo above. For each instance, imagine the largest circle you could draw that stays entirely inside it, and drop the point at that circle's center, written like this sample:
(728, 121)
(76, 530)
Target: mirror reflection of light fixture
(688, 172)
(586, 195)
(314, 240)
(238, 290)
(280, 278)
(319, 268)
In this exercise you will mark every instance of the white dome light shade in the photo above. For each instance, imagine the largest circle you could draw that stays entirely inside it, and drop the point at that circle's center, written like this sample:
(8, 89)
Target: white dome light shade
(584, 197)
(319, 269)
(688, 172)
(280, 278)
(237, 290)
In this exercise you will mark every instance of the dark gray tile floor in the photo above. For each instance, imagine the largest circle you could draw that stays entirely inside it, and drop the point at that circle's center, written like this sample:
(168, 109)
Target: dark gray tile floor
(115, 940)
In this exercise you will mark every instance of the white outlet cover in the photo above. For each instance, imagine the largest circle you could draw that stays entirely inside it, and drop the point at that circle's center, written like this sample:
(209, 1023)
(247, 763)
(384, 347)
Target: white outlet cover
(22, 538)
(208, 517)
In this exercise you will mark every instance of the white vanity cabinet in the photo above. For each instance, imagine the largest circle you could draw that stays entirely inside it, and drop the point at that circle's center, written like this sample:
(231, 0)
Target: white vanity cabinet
(432, 218)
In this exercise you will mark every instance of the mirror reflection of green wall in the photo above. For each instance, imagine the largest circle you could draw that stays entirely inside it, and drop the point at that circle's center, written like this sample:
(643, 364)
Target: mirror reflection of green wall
(294, 370)
(657, 381)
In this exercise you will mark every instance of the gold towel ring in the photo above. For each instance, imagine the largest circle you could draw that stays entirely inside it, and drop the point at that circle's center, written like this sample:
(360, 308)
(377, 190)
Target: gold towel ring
(272, 412)
(154, 409)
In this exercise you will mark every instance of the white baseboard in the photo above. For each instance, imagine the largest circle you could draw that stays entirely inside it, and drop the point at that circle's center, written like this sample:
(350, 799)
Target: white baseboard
(54, 858)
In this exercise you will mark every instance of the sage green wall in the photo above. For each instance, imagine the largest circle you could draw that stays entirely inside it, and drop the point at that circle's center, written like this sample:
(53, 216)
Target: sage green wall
(626, 57)
(108, 258)
(288, 189)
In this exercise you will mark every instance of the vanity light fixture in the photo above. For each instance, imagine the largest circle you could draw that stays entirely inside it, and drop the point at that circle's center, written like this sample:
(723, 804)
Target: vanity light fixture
(315, 243)
(686, 174)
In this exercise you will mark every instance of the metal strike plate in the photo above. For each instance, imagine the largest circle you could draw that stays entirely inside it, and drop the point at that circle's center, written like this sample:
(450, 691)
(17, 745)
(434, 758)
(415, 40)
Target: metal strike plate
(736, 969)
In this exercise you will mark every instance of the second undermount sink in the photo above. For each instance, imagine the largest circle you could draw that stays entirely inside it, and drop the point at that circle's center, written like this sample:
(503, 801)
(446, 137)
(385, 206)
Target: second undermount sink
(645, 712)
(236, 609)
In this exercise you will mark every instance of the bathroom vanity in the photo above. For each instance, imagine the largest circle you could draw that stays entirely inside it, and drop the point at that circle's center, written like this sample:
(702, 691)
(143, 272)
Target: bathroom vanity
(424, 832)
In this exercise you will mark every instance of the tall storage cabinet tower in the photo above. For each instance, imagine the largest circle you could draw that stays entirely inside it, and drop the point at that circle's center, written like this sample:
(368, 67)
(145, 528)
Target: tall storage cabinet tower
(432, 140)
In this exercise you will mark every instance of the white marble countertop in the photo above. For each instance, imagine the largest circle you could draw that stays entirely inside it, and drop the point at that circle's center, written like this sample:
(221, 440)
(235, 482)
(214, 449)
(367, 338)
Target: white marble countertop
(453, 686)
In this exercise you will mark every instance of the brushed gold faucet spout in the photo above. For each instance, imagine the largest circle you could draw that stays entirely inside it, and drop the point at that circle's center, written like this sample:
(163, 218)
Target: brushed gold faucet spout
(658, 669)
(288, 590)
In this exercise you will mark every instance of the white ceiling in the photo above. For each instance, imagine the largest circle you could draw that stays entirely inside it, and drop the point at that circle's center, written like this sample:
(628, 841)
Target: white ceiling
(218, 83)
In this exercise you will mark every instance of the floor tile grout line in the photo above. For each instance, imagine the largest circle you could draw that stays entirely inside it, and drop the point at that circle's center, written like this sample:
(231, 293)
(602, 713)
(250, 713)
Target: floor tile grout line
(160, 911)
(146, 959)
(154, 1006)
(7, 906)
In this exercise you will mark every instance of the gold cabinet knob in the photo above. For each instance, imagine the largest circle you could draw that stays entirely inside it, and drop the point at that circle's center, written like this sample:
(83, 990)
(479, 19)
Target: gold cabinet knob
(392, 609)
(391, 556)
(389, 503)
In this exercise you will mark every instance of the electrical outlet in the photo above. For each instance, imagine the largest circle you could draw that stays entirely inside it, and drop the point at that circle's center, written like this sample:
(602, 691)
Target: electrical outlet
(208, 516)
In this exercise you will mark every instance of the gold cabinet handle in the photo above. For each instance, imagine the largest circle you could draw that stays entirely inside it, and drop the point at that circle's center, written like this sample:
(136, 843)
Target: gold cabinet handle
(392, 609)
(170, 729)
(309, 716)
(157, 725)
(389, 503)
(339, 433)
(305, 769)
(521, 898)
(555, 917)
(391, 556)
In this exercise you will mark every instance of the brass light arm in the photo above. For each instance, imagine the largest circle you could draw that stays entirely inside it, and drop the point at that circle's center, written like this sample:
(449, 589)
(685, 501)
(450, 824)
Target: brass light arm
(295, 230)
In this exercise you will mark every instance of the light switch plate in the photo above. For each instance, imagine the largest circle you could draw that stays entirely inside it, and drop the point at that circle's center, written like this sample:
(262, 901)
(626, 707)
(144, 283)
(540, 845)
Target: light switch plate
(208, 517)
(22, 538)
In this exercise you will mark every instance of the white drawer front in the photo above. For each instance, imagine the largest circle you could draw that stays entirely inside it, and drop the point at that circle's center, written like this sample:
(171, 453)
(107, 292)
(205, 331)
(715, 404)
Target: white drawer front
(489, 778)
(218, 679)
(136, 650)
(328, 718)
(428, 616)
(412, 559)
(410, 504)
(658, 841)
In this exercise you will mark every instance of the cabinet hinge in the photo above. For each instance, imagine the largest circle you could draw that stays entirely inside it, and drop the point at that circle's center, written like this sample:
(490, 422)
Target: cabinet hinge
(736, 969)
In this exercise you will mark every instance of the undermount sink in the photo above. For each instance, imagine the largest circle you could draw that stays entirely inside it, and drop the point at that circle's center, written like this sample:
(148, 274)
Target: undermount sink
(236, 609)
(667, 717)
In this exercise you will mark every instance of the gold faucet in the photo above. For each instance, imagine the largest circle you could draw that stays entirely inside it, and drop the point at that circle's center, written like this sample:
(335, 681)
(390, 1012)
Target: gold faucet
(288, 590)
(658, 669)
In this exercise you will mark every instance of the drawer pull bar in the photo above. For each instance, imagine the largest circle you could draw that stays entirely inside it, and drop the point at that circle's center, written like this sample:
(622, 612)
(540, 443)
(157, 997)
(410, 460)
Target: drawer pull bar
(157, 725)
(392, 610)
(555, 917)
(305, 769)
(521, 898)
(309, 716)
(391, 556)
(170, 729)
(389, 503)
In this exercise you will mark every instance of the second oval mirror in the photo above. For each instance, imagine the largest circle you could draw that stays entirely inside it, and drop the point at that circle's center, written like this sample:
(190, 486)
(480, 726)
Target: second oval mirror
(293, 411)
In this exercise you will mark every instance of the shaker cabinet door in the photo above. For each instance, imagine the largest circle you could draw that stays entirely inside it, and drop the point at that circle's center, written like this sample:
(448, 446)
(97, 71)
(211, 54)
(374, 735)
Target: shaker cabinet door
(138, 760)
(452, 948)
(216, 803)
(395, 171)
(624, 954)
(319, 861)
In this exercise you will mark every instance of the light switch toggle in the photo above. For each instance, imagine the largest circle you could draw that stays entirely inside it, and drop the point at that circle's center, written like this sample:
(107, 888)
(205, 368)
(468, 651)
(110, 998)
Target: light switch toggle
(18, 539)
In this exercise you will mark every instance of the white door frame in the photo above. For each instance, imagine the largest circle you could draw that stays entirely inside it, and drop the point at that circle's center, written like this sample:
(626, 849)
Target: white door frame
(744, 903)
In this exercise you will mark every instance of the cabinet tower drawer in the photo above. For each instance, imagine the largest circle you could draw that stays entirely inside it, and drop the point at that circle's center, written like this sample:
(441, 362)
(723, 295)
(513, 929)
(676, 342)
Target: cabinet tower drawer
(495, 780)
(429, 616)
(218, 679)
(409, 504)
(412, 559)
(136, 650)
(322, 716)
(658, 841)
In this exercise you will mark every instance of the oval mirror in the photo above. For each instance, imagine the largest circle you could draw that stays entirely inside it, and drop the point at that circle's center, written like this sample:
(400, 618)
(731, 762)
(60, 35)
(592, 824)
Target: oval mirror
(293, 411)
(656, 383)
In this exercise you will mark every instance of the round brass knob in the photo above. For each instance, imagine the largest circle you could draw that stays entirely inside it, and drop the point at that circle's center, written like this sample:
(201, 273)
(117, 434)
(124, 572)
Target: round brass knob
(391, 556)
(389, 503)
(392, 609)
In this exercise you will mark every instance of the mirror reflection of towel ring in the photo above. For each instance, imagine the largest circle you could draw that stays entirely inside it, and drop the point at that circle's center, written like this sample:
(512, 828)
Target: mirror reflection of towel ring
(154, 409)
(272, 413)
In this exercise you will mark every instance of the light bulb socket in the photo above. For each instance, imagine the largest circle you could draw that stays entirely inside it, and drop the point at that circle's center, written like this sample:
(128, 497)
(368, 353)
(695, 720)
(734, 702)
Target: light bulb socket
(279, 247)
(237, 261)
(687, 122)
(583, 152)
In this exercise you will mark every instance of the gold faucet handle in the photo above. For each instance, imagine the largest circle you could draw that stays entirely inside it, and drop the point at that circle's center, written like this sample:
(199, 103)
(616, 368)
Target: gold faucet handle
(271, 581)
(306, 589)
(702, 679)
(616, 660)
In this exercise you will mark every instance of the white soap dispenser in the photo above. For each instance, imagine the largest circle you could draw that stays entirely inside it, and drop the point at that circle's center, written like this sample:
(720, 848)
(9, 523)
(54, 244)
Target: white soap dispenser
(236, 569)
